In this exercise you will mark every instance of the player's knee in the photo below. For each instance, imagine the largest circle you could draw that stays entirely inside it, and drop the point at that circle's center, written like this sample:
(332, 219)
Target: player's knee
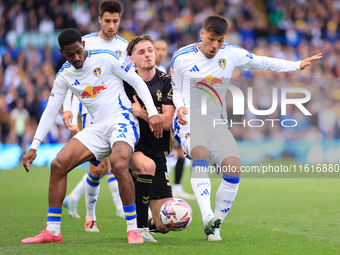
(149, 167)
(120, 168)
(97, 172)
(57, 167)
(200, 152)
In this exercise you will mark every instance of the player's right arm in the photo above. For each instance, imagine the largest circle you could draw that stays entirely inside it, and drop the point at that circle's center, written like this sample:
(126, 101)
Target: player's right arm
(48, 117)
(177, 98)
(67, 105)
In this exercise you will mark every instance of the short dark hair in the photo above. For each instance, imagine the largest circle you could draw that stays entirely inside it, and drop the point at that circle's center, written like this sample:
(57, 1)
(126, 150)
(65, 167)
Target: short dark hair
(110, 6)
(69, 36)
(216, 24)
(136, 40)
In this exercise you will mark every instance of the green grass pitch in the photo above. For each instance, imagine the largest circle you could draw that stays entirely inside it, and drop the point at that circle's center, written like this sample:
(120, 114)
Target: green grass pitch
(269, 216)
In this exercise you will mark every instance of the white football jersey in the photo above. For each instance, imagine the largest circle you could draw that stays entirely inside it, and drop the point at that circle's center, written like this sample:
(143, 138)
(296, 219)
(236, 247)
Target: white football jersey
(191, 69)
(98, 85)
(93, 41)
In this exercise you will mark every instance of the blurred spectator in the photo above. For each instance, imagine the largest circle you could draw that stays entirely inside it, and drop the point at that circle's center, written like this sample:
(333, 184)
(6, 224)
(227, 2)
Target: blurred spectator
(19, 120)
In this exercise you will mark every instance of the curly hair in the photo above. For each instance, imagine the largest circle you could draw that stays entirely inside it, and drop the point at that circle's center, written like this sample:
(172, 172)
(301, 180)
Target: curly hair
(69, 36)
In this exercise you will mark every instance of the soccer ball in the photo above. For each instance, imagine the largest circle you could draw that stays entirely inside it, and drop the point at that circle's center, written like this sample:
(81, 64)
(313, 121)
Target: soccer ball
(176, 214)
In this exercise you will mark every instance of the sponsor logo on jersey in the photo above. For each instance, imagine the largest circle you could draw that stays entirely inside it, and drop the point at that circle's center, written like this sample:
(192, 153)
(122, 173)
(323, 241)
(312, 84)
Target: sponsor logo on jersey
(207, 85)
(126, 67)
(194, 69)
(97, 71)
(249, 55)
(222, 63)
(119, 53)
(76, 83)
(92, 92)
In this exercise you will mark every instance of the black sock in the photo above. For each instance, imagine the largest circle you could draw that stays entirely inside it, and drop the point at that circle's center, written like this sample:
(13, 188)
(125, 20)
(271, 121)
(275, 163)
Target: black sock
(179, 170)
(143, 186)
(152, 227)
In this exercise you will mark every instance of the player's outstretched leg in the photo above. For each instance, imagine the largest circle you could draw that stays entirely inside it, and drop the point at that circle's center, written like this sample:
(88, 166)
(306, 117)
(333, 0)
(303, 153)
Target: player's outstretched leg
(71, 200)
(71, 155)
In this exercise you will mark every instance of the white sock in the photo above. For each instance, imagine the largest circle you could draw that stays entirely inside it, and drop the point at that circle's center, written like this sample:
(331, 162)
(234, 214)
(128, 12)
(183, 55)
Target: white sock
(113, 186)
(53, 227)
(225, 196)
(79, 190)
(177, 188)
(200, 183)
(131, 224)
(92, 188)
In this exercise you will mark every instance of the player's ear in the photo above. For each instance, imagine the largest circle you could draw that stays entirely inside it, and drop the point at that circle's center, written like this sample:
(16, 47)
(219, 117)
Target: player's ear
(132, 60)
(202, 32)
(61, 51)
(83, 43)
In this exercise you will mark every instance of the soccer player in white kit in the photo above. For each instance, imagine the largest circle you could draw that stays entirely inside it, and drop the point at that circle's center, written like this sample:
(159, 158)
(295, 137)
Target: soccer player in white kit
(198, 67)
(95, 78)
(106, 38)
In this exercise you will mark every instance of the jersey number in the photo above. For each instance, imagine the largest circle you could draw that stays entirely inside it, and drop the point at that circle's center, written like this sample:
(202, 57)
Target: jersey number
(122, 128)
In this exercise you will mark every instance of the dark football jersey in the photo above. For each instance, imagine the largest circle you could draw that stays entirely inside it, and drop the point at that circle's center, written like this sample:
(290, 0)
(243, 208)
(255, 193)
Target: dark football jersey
(161, 92)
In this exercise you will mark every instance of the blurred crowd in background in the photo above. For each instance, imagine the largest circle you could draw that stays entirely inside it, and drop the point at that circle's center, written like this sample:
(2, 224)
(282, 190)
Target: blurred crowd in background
(287, 29)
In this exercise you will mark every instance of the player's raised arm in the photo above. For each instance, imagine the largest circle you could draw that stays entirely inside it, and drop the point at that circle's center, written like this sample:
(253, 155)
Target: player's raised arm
(249, 60)
(307, 61)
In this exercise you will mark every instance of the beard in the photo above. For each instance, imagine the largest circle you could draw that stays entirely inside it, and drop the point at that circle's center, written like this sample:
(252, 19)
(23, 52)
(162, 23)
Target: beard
(109, 36)
(148, 67)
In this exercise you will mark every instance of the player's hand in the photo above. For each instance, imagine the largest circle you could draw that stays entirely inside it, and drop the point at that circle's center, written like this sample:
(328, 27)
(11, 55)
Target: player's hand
(28, 158)
(180, 115)
(307, 61)
(67, 116)
(156, 125)
(135, 107)
(73, 130)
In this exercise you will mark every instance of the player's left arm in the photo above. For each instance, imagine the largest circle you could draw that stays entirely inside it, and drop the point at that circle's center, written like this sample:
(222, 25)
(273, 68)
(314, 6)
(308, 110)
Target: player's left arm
(248, 60)
(307, 61)
(167, 114)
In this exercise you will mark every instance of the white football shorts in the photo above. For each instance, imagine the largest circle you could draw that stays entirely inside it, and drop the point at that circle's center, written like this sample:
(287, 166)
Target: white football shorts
(100, 137)
(218, 140)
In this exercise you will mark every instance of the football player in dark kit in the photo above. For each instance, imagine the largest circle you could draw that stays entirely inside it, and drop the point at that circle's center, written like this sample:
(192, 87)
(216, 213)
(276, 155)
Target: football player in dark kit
(148, 164)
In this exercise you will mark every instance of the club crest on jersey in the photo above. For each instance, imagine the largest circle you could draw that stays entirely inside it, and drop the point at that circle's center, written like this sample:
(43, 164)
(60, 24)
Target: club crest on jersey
(97, 71)
(187, 135)
(222, 63)
(119, 53)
